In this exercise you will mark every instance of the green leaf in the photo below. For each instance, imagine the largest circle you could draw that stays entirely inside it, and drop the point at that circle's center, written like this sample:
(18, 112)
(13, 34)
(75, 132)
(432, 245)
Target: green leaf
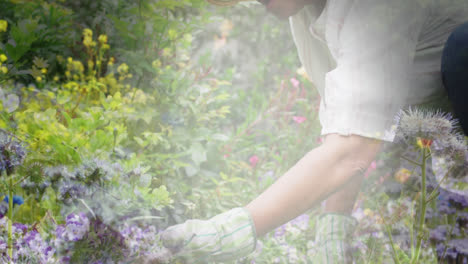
(40, 63)
(191, 170)
(63, 97)
(198, 153)
(220, 137)
(140, 142)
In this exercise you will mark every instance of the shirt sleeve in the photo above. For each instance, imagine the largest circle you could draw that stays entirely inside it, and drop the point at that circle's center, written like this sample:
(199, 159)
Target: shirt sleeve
(374, 45)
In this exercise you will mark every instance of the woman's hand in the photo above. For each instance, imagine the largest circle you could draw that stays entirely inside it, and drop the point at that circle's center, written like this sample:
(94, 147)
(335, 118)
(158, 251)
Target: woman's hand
(227, 236)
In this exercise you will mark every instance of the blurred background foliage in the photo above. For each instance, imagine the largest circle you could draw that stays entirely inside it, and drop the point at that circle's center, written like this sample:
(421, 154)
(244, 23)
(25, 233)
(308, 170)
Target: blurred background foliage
(185, 93)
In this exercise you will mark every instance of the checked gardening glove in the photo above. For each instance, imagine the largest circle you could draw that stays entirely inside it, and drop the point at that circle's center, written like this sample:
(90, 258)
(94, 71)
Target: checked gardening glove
(225, 237)
(332, 239)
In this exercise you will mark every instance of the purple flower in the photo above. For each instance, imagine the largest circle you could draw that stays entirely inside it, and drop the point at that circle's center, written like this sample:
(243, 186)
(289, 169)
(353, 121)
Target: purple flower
(430, 214)
(459, 201)
(3, 246)
(33, 245)
(441, 233)
(77, 225)
(69, 190)
(460, 246)
(12, 155)
(268, 176)
(438, 234)
(462, 219)
(301, 221)
(18, 227)
(141, 241)
(449, 252)
(280, 231)
(3, 208)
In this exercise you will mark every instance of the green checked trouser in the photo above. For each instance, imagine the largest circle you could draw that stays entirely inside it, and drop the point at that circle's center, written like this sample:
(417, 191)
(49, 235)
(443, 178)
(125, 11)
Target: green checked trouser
(332, 239)
(225, 237)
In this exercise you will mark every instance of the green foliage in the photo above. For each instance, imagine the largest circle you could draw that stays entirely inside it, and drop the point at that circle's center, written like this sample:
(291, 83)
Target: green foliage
(181, 96)
(36, 29)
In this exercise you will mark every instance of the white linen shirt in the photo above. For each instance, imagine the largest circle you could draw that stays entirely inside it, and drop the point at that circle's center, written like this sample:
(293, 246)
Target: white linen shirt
(370, 58)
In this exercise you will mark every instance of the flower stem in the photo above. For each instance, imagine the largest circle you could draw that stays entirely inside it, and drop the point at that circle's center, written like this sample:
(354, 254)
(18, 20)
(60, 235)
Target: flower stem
(423, 204)
(390, 237)
(10, 218)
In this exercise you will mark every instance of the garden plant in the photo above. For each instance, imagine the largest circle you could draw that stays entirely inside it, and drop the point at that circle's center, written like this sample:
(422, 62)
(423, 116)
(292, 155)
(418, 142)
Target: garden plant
(121, 118)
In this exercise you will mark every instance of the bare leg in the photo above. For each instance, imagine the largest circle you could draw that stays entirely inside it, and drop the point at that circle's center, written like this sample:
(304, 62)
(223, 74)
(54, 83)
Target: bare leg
(318, 174)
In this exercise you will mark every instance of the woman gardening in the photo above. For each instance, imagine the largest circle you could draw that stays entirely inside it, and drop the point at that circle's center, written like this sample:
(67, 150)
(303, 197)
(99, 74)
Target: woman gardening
(368, 59)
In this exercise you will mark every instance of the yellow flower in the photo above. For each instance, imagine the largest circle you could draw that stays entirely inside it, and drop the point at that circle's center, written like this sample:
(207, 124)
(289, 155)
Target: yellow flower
(167, 52)
(56, 78)
(111, 61)
(77, 65)
(379, 220)
(4, 69)
(156, 64)
(188, 37)
(102, 39)
(70, 59)
(3, 58)
(87, 33)
(88, 42)
(424, 143)
(302, 72)
(44, 70)
(39, 79)
(123, 68)
(3, 25)
(402, 175)
(368, 212)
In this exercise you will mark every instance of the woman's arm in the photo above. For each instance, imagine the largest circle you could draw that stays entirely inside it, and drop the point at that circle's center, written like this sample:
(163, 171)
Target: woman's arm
(317, 175)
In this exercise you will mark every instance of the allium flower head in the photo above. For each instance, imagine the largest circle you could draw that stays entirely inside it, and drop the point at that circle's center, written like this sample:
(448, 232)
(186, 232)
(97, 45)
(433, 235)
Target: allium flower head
(431, 129)
(36, 176)
(424, 124)
(453, 146)
(12, 155)
(69, 190)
